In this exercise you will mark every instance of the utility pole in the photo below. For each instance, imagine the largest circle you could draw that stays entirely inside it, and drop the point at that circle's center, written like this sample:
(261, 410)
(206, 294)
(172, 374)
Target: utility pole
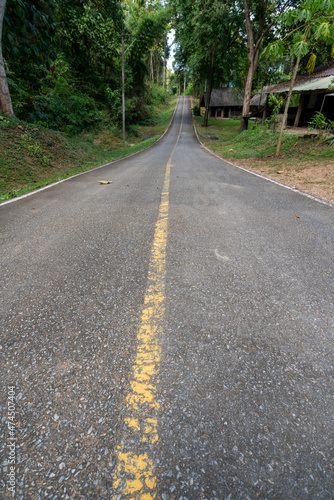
(123, 89)
(123, 77)
(164, 65)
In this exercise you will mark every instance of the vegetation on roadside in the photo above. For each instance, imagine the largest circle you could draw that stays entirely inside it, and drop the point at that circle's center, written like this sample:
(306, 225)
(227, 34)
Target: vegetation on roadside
(32, 156)
(61, 73)
(62, 61)
(248, 44)
(259, 143)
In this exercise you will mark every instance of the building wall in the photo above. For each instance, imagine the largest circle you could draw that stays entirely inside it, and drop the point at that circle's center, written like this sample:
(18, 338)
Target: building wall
(225, 112)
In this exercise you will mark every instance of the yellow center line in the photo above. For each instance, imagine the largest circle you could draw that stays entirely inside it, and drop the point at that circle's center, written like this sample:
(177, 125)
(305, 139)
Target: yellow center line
(134, 476)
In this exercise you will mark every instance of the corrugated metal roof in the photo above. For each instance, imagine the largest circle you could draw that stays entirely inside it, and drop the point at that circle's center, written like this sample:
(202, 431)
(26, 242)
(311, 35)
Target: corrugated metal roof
(321, 79)
(259, 99)
(325, 83)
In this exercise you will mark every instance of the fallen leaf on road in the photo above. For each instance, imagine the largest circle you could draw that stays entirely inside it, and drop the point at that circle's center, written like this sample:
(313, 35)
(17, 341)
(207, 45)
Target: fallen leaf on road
(298, 217)
(105, 182)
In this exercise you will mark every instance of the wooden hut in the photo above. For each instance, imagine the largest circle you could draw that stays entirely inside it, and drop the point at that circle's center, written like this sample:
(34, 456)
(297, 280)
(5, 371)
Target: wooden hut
(316, 94)
(224, 102)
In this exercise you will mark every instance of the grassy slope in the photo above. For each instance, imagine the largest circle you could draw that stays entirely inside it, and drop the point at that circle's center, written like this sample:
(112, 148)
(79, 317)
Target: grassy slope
(259, 142)
(32, 156)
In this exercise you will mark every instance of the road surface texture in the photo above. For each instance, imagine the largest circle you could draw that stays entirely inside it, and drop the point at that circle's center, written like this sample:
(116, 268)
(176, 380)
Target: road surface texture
(169, 335)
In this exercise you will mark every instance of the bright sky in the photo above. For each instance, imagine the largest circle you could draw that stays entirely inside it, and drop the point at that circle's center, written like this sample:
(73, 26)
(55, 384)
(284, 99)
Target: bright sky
(171, 57)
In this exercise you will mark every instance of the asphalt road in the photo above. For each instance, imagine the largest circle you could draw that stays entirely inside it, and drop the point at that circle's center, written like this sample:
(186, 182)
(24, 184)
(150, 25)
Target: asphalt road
(169, 335)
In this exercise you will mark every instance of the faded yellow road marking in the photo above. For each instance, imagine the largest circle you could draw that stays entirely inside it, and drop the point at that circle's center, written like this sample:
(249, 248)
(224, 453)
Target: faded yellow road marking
(134, 476)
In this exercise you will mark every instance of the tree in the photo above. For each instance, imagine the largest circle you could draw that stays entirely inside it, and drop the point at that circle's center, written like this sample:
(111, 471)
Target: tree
(89, 35)
(58, 52)
(312, 21)
(151, 26)
(208, 32)
(29, 34)
(5, 99)
(260, 18)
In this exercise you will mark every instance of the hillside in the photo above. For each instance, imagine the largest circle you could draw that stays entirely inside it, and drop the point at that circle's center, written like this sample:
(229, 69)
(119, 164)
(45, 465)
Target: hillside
(32, 156)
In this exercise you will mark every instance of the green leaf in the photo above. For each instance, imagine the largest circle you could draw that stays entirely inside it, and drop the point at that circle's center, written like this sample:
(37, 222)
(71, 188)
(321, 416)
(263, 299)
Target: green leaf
(305, 15)
(300, 49)
(323, 31)
(327, 5)
(274, 50)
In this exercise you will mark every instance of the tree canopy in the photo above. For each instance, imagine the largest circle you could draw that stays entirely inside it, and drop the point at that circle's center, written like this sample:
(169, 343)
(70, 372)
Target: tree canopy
(63, 59)
(59, 53)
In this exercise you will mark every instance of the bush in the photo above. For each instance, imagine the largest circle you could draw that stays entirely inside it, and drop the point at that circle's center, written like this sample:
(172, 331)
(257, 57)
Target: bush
(320, 122)
(61, 108)
(189, 90)
(275, 102)
(114, 98)
(155, 95)
(196, 110)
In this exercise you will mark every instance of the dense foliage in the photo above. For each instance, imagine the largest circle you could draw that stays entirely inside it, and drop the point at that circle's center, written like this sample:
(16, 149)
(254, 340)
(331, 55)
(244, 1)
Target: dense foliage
(220, 43)
(63, 57)
(63, 60)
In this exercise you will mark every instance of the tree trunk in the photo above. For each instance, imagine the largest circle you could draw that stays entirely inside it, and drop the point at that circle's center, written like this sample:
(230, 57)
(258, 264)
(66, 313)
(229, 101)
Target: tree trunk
(285, 115)
(206, 116)
(157, 67)
(253, 48)
(5, 99)
(299, 111)
(251, 69)
(247, 97)
(265, 110)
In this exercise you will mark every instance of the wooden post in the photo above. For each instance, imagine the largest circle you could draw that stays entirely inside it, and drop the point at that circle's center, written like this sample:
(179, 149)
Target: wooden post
(299, 111)
(265, 110)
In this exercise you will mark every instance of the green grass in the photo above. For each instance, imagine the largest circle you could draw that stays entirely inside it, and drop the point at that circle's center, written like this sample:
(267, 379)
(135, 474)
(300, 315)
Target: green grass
(259, 142)
(32, 156)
